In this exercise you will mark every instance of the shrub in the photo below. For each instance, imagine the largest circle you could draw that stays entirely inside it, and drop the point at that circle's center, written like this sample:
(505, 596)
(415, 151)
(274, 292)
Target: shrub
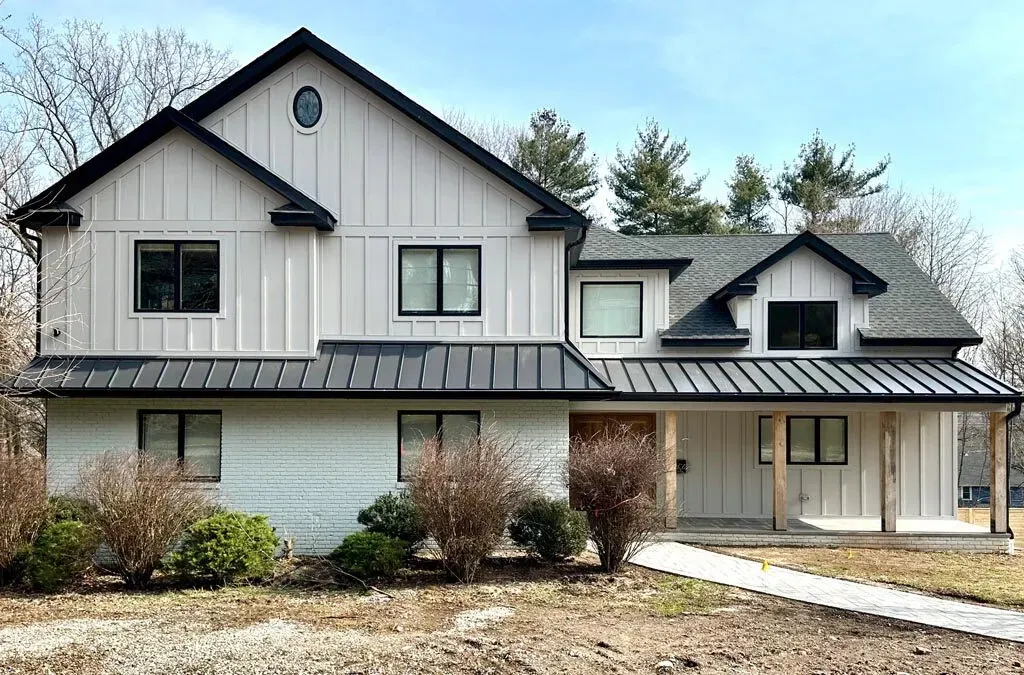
(61, 555)
(548, 528)
(226, 548)
(612, 479)
(64, 507)
(368, 555)
(466, 495)
(22, 511)
(395, 516)
(141, 505)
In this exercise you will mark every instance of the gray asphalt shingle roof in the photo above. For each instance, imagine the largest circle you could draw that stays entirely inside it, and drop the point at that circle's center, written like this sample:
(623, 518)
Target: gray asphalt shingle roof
(912, 307)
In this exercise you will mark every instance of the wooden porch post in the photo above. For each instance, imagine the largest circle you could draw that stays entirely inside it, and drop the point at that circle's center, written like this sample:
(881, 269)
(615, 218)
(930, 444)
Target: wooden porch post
(888, 452)
(779, 469)
(997, 460)
(671, 510)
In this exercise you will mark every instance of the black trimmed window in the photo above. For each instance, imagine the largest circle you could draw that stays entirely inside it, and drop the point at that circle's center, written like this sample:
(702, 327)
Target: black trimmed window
(803, 325)
(439, 280)
(416, 426)
(611, 309)
(177, 276)
(307, 107)
(810, 439)
(192, 437)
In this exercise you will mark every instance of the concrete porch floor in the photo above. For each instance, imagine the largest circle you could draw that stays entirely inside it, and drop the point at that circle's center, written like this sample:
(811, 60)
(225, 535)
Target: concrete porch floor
(828, 524)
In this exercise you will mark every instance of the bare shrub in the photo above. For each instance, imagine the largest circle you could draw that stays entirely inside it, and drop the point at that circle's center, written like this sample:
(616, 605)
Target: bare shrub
(22, 508)
(466, 493)
(612, 479)
(141, 505)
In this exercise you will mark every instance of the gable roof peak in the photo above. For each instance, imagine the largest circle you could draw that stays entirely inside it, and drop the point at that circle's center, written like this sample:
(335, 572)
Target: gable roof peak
(554, 214)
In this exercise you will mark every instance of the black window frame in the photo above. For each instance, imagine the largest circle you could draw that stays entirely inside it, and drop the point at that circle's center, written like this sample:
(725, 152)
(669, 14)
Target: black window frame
(802, 304)
(181, 437)
(438, 424)
(640, 321)
(439, 295)
(817, 439)
(177, 276)
(295, 106)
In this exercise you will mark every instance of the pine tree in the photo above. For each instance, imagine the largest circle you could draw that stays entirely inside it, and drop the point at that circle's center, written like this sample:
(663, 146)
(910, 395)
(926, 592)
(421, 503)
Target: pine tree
(749, 197)
(650, 193)
(817, 182)
(556, 158)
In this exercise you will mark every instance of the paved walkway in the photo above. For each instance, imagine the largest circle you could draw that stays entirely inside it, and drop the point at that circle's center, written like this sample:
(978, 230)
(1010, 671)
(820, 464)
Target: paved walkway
(732, 571)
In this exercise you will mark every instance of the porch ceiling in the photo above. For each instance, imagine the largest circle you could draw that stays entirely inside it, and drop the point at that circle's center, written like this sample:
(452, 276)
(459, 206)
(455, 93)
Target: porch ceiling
(855, 380)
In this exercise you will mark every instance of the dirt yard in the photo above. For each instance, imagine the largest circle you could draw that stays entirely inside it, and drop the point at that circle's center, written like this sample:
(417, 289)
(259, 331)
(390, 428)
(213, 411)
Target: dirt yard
(991, 579)
(521, 618)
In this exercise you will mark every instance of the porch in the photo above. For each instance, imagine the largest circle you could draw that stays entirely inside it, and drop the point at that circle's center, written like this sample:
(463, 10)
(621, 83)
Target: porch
(819, 465)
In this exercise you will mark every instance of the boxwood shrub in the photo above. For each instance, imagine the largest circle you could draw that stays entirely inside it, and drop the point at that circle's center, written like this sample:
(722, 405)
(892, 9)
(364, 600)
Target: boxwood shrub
(548, 528)
(61, 555)
(226, 548)
(367, 555)
(395, 516)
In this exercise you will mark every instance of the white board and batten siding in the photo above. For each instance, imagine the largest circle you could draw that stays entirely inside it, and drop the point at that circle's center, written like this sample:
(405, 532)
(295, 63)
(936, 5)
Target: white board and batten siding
(724, 477)
(177, 189)
(653, 321)
(392, 182)
(388, 181)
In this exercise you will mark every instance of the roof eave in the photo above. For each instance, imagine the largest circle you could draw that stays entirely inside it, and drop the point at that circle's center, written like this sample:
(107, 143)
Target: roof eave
(674, 266)
(718, 341)
(910, 341)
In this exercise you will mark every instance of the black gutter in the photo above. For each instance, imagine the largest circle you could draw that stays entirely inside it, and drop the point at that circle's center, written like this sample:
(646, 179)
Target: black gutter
(23, 228)
(678, 341)
(1014, 413)
(918, 342)
(579, 241)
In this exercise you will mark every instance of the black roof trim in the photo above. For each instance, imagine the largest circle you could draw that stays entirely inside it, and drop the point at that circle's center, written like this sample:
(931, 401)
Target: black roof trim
(697, 341)
(304, 40)
(150, 131)
(291, 214)
(675, 266)
(864, 280)
(868, 341)
(58, 215)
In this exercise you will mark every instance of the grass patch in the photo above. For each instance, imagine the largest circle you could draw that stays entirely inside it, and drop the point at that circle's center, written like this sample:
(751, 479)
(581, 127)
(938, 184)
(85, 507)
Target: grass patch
(987, 578)
(677, 597)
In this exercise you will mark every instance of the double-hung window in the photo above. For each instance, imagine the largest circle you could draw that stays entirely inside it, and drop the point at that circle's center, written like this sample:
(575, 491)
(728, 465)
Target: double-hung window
(802, 325)
(416, 427)
(439, 280)
(177, 276)
(192, 437)
(611, 309)
(809, 440)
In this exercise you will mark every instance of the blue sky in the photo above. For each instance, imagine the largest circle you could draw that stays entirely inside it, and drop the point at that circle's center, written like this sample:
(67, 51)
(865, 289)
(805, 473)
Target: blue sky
(935, 84)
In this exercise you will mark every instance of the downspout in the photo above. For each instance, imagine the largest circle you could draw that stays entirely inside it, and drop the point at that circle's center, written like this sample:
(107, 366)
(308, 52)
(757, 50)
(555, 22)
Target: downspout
(1014, 413)
(38, 241)
(581, 237)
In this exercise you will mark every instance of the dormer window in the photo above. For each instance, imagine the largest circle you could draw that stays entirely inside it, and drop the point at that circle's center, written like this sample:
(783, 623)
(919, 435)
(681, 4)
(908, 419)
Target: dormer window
(177, 276)
(802, 325)
(611, 309)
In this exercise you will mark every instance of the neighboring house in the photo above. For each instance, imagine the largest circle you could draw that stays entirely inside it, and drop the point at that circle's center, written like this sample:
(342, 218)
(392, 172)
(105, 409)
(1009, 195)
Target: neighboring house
(975, 476)
(300, 275)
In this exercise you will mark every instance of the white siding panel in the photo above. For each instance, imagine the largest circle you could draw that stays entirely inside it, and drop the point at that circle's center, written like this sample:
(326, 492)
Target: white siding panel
(654, 319)
(724, 477)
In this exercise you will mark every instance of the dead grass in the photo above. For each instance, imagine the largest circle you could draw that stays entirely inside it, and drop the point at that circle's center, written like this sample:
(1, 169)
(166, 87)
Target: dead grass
(567, 618)
(987, 578)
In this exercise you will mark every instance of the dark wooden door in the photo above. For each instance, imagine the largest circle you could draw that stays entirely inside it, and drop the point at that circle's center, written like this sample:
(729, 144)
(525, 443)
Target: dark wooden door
(588, 425)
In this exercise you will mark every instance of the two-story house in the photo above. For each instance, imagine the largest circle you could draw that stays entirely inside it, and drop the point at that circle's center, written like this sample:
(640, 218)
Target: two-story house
(293, 280)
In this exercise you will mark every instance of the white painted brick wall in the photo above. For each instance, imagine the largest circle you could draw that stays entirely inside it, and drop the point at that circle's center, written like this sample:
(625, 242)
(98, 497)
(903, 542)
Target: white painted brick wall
(310, 465)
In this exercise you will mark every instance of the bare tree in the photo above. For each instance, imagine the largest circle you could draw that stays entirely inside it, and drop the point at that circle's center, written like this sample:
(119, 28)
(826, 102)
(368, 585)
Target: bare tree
(946, 243)
(498, 137)
(66, 93)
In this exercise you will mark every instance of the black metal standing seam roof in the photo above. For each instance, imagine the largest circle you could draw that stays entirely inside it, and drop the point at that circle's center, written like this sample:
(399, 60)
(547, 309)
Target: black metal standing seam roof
(805, 380)
(341, 369)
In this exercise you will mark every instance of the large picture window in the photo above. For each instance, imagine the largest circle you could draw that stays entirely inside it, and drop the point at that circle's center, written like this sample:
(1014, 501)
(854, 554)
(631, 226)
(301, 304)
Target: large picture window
(439, 280)
(190, 437)
(611, 309)
(809, 440)
(177, 276)
(802, 325)
(416, 427)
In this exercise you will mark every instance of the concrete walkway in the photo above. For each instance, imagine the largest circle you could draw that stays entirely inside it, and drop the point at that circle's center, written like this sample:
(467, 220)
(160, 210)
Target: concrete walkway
(729, 570)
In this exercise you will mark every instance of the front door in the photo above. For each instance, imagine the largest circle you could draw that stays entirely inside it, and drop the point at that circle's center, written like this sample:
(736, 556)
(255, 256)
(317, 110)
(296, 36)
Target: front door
(588, 425)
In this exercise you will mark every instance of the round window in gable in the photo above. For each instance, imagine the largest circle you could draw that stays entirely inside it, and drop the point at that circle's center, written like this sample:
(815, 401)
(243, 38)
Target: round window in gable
(307, 107)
